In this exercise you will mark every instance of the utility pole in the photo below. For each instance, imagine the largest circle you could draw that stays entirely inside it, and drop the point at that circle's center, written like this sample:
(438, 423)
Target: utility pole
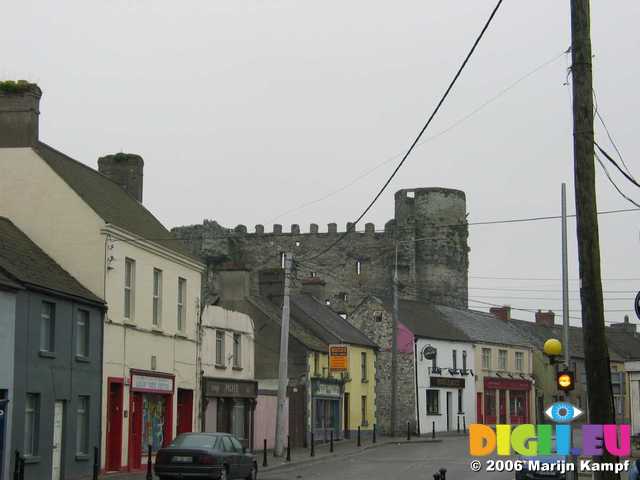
(595, 345)
(283, 376)
(394, 349)
(565, 279)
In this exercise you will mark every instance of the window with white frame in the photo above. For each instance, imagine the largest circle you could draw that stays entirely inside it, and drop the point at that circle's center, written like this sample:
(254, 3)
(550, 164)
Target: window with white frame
(237, 350)
(31, 423)
(454, 359)
(220, 348)
(129, 288)
(520, 361)
(48, 327)
(464, 359)
(486, 358)
(502, 359)
(82, 333)
(363, 366)
(157, 297)
(182, 303)
(82, 426)
(433, 402)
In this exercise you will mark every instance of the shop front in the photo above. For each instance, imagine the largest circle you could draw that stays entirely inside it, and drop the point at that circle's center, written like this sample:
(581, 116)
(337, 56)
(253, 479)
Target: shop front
(506, 400)
(151, 411)
(326, 395)
(229, 406)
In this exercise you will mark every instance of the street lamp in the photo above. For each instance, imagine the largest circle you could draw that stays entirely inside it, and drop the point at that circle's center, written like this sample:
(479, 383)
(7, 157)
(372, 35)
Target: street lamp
(553, 350)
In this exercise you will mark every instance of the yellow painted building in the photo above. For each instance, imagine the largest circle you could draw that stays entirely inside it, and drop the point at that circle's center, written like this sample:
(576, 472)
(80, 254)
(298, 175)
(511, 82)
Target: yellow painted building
(356, 405)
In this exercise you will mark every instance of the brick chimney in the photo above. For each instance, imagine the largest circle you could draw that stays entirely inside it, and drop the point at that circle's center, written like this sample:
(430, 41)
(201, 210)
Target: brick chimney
(625, 326)
(19, 111)
(126, 170)
(547, 318)
(502, 313)
(314, 286)
(271, 283)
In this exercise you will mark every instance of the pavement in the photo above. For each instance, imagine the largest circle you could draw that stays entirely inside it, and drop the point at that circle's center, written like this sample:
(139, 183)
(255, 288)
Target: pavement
(389, 458)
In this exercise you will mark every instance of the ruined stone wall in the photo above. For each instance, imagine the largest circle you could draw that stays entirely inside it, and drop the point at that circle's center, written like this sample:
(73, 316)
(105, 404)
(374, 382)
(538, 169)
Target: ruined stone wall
(429, 229)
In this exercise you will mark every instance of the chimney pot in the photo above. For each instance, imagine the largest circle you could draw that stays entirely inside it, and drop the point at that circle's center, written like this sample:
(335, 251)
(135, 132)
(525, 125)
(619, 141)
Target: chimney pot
(19, 112)
(126, 170)
(502, 313)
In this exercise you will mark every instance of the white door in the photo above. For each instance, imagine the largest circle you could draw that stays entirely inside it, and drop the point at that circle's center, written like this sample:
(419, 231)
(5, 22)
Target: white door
(635, 405)
(56, 451)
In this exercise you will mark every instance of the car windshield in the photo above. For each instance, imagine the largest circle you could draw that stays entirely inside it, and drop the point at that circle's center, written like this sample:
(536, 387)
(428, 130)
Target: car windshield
(195, 441)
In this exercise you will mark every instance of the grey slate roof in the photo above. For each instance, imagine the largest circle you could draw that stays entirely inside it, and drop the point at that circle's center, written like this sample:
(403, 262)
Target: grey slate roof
(22, 260)
(110, 201)
(5, 281)
(627, 345)
(447, 323)
(296, 330)
(326, 324)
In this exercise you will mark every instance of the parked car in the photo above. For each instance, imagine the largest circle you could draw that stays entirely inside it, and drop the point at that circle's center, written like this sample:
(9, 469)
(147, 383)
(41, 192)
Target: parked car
(206, 455)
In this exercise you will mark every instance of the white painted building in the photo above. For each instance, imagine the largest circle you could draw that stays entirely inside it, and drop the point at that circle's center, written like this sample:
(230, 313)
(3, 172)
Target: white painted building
(445, 383)
(632, 369)
(95, 226)
(228, 382)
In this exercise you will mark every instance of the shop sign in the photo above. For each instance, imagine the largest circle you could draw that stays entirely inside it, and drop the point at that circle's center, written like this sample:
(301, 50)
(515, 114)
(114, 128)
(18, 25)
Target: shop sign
(506, 384)
(338, 358)
(445, 382)
(229, 388)
(148, 383)
(325, 389)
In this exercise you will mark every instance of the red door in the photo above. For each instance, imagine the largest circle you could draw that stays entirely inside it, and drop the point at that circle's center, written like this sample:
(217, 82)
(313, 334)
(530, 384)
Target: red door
(114, 425)
(480, 418)
(135, 432)
(185, 411)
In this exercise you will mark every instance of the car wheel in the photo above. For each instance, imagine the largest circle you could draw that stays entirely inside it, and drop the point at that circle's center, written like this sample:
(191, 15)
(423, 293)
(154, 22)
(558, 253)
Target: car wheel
(253, 473)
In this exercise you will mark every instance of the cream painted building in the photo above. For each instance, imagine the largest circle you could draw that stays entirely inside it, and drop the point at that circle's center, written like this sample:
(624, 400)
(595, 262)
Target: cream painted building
(95, 226)
(228, 383)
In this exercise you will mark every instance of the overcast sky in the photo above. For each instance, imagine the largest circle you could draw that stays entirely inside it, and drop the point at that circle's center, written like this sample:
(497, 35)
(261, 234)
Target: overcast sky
(244, 110)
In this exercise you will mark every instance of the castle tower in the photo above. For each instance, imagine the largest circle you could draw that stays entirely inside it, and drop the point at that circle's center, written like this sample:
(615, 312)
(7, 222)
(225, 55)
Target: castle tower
(126, 170)
(433, 254)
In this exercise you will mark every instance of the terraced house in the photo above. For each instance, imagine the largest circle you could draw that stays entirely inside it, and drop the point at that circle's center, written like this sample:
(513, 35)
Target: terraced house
(93, 224)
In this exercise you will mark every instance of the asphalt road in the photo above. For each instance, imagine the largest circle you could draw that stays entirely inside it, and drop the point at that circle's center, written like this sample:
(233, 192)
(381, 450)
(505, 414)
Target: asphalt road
(396, 461)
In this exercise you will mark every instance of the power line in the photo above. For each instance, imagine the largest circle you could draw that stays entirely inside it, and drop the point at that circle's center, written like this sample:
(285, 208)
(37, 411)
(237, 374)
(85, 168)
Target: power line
(608, 157)
(424, 128)
(615, 185)
(451, 127)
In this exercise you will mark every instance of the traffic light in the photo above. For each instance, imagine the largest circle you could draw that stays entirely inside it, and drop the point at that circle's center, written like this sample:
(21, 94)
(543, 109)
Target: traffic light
(565, 381)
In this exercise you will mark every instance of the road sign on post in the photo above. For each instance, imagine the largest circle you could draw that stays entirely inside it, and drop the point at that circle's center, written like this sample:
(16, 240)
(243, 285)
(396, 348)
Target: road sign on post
(338, 358)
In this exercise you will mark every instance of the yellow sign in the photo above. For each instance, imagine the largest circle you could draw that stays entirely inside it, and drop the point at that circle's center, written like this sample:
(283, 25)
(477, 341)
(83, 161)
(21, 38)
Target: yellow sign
(338, 358)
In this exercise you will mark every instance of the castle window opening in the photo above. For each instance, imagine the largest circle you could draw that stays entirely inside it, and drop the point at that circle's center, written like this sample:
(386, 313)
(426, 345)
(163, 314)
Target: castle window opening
(298, 243)
(411, 194)
(358, 267)
(313, 274)
(281, 259)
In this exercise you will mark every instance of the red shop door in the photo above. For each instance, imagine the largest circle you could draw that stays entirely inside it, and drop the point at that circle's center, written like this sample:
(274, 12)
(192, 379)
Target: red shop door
(480, 418)
(113, 458)
(135, 432)
(518, 407)
(503, 406)
(185, 411)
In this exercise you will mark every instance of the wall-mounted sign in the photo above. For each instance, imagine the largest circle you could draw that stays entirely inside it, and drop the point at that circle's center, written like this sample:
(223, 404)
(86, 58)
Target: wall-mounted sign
(338, 358)
(446, 382)
(148, 383)
(491, 383)
(325, 389)
(229, 388)
(429, 352)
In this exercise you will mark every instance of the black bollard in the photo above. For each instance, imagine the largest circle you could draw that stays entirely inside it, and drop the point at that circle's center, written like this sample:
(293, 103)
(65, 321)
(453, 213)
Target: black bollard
(359, 435)
(436, 476)
(443, 474)
(331, 444)
(433, 429)
(264, 454)
(96, 462)
(464, 424)
(458, 424)
(313, 446)
(374, 433)
(288, 448)
(409, 431)
(149, 464)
